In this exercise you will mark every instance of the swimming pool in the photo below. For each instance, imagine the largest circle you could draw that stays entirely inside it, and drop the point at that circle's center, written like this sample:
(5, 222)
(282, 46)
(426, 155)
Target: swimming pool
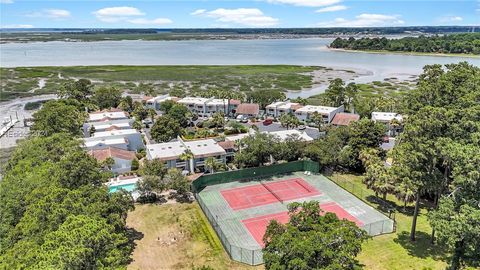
(127, 187)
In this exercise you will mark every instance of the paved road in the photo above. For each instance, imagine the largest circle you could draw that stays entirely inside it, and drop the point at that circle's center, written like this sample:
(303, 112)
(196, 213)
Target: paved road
(15, 108)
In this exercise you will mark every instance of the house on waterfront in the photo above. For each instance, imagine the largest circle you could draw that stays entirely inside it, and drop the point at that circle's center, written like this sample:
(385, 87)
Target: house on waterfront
(393, 121)
(122, 158)
(174, 153)
(328, 113)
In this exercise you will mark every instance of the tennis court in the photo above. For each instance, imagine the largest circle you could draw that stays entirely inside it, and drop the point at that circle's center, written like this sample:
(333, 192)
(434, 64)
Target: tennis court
(266, 193)
(240, 211)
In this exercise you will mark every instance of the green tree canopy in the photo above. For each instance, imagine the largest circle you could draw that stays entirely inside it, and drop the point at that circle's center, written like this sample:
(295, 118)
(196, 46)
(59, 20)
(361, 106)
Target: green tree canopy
(165, 129)
(107, 97)
(58, 116)
(312, 241)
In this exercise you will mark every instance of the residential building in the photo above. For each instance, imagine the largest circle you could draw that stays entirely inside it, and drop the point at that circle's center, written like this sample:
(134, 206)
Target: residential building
(392, 120)
(277, 109)
(344, 119)
(248, 109)
(216, 105)
(285, 134)
(132, 138)
(304, 113)
(232, 106)
(154, 102)
(101, 143)
(122, 158)
(106, 115)
(107, 125)
(205, 106)
(200, 150)
(229, 147)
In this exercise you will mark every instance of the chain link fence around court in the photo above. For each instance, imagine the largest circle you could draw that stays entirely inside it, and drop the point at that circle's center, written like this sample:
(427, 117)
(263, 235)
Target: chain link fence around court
(240, 254)
(359, 191)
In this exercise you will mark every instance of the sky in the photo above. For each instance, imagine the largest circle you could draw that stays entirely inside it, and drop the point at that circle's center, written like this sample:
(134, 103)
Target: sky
(235, 14)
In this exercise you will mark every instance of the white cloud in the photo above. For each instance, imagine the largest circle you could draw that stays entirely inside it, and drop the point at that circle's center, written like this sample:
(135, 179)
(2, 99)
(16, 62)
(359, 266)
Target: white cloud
(17, 26)
(365, 20)
(451, 19)
(307, 3)
(127, 15)
(198, 12)
(50, 13)
(252, 17)
(157, 21)
(6, 1)
(331, 9)
(117, 14)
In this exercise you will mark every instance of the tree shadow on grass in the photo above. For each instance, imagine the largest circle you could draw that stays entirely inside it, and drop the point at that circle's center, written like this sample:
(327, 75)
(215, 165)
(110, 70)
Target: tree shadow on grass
(421, 247)
(133, 236)
(387, 206)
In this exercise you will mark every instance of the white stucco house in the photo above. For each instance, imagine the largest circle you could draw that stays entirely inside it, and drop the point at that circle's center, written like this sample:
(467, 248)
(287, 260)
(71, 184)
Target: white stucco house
(171, 152)
(122, 158)
(328, 113)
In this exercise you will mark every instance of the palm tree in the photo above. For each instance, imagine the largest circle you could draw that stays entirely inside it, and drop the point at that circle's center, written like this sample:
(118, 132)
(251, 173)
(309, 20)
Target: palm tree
(108, 163)
(289, 121)
(219, 119)
(187, 156)
(152, 113)
(317, 119)
(394, 124)
(211, 164)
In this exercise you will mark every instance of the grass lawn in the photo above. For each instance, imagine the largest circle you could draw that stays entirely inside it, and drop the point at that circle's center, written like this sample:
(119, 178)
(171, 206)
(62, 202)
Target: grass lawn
(176, 236)
(396, 251)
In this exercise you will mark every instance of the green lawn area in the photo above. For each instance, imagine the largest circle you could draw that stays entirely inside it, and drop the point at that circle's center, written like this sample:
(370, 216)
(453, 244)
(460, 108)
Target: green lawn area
(176, 236)
(396, 251)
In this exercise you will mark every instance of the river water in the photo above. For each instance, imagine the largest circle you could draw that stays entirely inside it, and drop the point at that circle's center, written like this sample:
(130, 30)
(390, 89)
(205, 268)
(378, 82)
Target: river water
(218, 52)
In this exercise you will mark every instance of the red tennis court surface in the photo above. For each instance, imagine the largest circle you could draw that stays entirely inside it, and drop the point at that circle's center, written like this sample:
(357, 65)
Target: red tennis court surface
(266, 193)
(258, 225)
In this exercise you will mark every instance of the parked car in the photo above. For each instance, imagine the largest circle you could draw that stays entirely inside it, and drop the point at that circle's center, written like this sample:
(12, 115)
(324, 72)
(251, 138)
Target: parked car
(267, 122)
(302, 127)
(147, 121)
(242, 118)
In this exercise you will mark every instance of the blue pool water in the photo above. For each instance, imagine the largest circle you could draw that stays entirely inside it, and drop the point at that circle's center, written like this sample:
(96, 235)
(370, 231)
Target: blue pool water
(127, 187)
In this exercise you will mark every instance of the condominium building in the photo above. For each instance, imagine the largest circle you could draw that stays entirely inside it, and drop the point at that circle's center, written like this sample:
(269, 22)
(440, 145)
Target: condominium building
(205, 106)
(106, 125)
(172, 152)
(277, 109)
(393, 121)
(304, 113)
(154, 102)
(122, 158)
(106, 115)
(131, 137)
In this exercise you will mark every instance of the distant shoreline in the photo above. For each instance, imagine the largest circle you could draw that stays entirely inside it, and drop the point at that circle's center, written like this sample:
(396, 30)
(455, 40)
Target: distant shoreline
(407, 53)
